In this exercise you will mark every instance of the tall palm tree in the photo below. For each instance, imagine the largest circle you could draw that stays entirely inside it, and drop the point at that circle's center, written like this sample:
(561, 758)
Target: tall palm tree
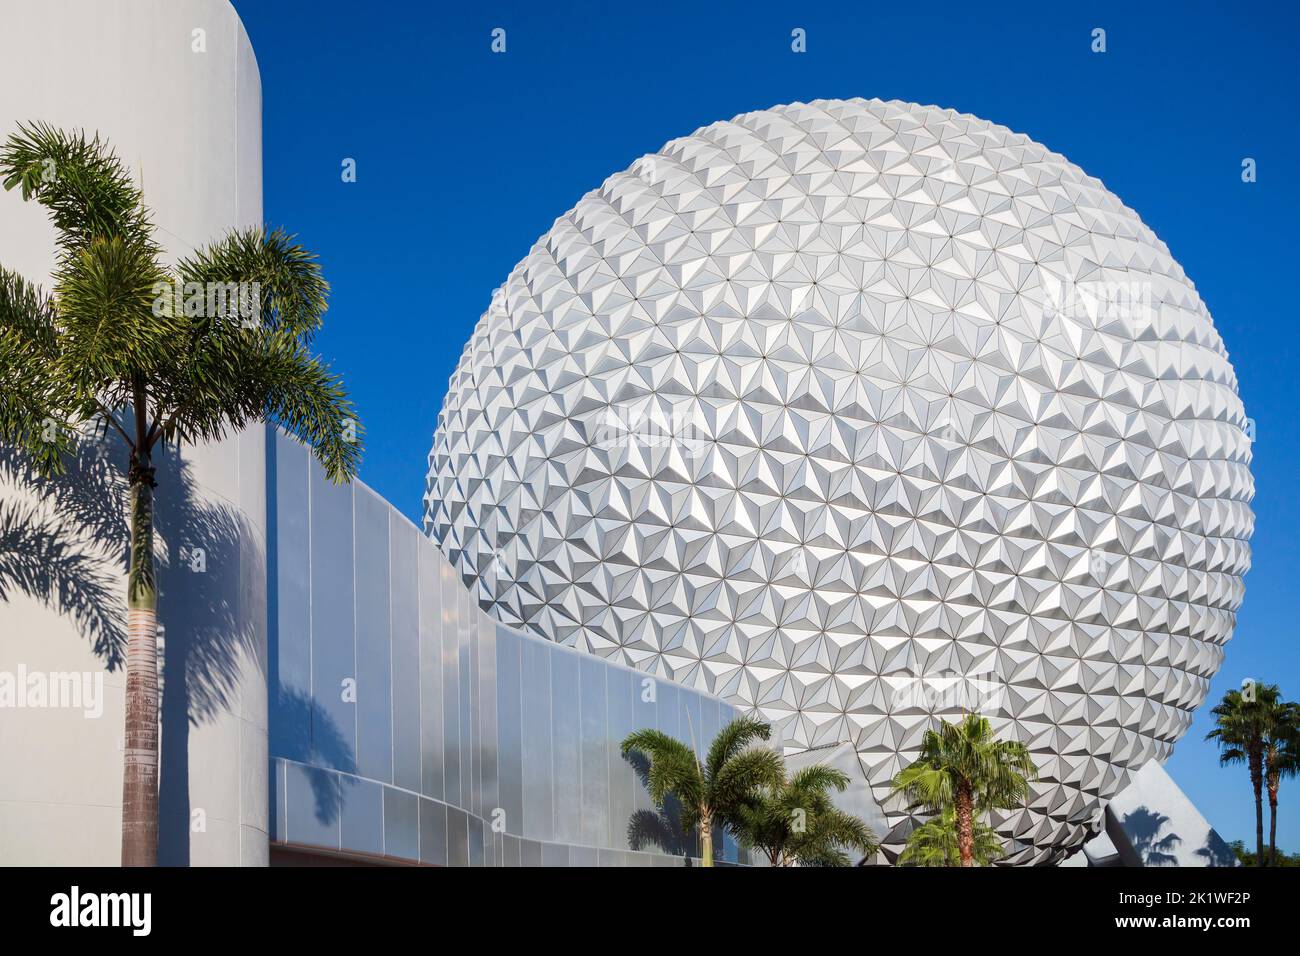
(796, 822)
(1281, 759)
(153, 354)
(1242, 725)
(710, 793)
(965, 768)
(934, 843)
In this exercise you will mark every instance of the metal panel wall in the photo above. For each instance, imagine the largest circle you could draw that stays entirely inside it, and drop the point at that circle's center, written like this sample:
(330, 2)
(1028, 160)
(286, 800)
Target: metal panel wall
(407, 725)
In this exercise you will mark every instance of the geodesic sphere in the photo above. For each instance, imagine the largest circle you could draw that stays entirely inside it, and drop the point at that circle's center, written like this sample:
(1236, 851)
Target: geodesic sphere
(860, 413)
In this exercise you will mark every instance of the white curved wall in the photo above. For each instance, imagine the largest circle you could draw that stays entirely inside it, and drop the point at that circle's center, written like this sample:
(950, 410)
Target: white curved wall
(188, 123)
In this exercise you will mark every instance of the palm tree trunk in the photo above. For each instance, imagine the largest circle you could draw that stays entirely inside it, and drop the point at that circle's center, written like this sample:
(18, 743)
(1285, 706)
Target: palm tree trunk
(140, 759)
(1272, 821)
(1257, 782)
(706, 839)
(965, 826)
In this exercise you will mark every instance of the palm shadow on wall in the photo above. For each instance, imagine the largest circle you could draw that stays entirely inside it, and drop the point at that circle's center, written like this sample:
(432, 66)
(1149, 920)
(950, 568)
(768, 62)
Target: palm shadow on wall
(210, 571)
(1143, 827)
(63, 542)
(662, 828)
(65, 547)
(305, 732)
(1216, 852)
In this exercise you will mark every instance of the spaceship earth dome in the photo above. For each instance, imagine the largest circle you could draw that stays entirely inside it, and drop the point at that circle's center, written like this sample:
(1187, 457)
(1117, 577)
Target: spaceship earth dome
(861, 413)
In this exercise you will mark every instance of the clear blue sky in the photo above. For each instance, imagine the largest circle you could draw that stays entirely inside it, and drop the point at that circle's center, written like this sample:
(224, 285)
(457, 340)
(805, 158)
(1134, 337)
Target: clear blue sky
(464, 158)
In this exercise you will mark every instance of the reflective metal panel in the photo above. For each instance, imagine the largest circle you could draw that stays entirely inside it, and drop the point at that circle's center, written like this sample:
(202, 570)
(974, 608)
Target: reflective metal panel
(449, 638)
(645, 713)
(555, 854)
(374, 651)
(509, 694)
(530, 852)
(475, 841)
(457, 837)
(539, 805)
(566, 756)
(289, 606)
(622, 781)
(510, 851)
(669, 714)
(486, 708)
(432, 757)
(401, 824)
(362, 815)
(275, 802)
(594, 741)
(433, 832)
(465, 628)
(404, 614)
(334, 717)
(312, 806)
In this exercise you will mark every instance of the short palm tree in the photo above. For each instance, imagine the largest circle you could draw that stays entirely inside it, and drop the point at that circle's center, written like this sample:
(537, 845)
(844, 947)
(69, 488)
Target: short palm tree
(1243, 722)
(796, 822)
(1281, 759)
(710, 793)
(934, 843)
(153, 354)
(965, 768)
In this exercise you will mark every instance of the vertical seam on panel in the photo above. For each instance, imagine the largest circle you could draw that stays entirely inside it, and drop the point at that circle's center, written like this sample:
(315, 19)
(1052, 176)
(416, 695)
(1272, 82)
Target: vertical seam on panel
(550, 709)
(311, 610)
(356, 684)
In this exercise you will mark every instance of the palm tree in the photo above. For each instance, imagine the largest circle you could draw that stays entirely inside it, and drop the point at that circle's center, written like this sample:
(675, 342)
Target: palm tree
(934, 843)
(965, 768)
(1281, 759)
(154, 355)
(796, 822)
(710, 794)
(1242, 725)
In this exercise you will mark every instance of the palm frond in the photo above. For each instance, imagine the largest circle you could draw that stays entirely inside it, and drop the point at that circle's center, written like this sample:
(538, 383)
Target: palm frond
(38, 409)
(731, 740)
(292, 294)
(818, 778)
(740, 776)
(673, 769)
(111, 332)
(82, 184)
